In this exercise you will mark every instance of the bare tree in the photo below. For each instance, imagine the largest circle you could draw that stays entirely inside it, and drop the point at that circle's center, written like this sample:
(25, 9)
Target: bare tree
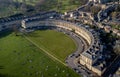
(117, 47)
(15, 29)
(23, 8)
(39, 5)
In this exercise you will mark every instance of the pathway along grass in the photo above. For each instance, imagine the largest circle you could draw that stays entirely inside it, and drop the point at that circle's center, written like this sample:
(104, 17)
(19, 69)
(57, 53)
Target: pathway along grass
(56, 43)
(20, 58)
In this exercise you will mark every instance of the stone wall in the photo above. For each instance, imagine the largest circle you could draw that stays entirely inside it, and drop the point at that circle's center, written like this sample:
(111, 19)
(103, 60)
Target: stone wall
(9, 25)
(99, 72)
(67, 25)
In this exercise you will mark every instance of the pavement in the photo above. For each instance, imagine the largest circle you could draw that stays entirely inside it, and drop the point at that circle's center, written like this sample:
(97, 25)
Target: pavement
(72, 59)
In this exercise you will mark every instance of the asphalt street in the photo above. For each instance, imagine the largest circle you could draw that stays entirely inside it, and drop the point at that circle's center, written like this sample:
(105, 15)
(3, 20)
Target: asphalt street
(72, 59)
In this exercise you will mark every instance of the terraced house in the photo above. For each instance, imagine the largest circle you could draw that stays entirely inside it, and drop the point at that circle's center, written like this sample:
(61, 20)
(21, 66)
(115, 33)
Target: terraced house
(100, 1)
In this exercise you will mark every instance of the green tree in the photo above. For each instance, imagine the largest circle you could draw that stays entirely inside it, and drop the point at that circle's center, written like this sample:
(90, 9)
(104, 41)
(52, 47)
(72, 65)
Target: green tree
(95, 9)
(15, 29)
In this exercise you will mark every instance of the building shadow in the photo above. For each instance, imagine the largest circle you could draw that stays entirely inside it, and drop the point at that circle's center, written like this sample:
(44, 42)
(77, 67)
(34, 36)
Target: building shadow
(112, 70)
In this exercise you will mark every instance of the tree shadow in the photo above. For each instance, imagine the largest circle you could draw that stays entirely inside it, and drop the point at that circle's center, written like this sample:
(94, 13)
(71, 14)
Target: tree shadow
(1, 67)
(41, 28)
(6, 75)
(5, 33)
(32, 34)
(1, 75)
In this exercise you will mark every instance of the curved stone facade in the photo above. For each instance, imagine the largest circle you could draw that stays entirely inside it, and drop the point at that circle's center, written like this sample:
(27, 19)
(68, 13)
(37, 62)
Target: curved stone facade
(90, 56)
(59, 23)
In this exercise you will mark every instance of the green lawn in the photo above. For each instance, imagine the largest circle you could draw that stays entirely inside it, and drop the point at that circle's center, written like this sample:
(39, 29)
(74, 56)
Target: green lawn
(56, 43)
(20, 58)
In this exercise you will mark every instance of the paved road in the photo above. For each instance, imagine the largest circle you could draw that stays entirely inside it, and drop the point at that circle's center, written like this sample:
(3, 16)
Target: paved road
(111, 69)
(72, 59)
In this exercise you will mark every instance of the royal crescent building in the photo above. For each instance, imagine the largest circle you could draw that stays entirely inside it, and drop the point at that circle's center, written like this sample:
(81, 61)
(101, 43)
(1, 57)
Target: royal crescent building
(89, 58)
(100, 1)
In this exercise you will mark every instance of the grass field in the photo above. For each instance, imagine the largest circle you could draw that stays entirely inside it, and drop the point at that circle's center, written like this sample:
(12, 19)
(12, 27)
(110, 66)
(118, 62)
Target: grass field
(21, 58)
(64, 5)
(56, 43)
(11, 7)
